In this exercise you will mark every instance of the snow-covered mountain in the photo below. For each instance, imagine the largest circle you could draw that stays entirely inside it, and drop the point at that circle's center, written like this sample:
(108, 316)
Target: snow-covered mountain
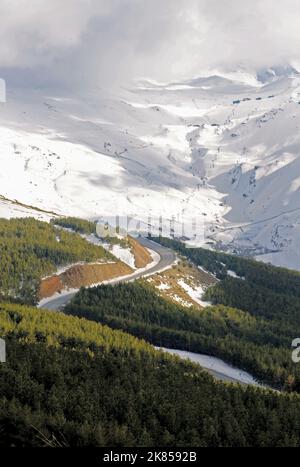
(225, 148)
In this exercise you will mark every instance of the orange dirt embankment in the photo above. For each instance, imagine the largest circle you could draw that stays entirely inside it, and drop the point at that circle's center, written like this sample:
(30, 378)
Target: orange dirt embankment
(141, 254)
(82, 275)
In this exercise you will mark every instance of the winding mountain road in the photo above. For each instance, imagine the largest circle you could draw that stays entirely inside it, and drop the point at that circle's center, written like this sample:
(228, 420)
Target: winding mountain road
(219, 369)
(167, 258)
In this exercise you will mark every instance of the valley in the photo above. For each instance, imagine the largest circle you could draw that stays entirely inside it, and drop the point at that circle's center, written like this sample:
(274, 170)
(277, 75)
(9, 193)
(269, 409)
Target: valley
(112, 329)
(149, 228)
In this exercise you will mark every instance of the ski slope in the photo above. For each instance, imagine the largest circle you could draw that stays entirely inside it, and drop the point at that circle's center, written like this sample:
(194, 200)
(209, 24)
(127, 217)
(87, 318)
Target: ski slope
(223, 148)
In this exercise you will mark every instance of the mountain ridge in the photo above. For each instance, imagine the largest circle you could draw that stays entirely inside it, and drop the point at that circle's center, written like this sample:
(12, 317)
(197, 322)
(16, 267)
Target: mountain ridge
(211, 147)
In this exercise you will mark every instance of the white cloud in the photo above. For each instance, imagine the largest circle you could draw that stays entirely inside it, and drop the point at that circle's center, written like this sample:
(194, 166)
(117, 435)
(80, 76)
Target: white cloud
(102, 41)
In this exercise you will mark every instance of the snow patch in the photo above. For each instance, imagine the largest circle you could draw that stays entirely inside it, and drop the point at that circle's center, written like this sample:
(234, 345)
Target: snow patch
(196, 293)
(215, 365)
(162, 286)
(234, 275)
(123, 254)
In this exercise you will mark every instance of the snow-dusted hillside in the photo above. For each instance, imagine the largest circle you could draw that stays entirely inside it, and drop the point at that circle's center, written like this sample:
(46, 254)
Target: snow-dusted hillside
(225, 148)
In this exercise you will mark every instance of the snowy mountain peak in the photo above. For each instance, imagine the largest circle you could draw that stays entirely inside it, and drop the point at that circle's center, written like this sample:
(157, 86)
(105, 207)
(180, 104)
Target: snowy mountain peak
(223, 149)
(268, 75)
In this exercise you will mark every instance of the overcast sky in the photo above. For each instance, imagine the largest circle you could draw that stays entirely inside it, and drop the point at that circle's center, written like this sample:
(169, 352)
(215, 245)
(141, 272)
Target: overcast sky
(105, 41)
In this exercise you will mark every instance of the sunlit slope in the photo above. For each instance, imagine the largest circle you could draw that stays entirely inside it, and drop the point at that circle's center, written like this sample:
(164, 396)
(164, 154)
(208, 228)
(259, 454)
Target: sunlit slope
(224, 148)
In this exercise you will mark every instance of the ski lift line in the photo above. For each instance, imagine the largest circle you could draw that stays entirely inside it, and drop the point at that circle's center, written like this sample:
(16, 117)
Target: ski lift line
(249, 224)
